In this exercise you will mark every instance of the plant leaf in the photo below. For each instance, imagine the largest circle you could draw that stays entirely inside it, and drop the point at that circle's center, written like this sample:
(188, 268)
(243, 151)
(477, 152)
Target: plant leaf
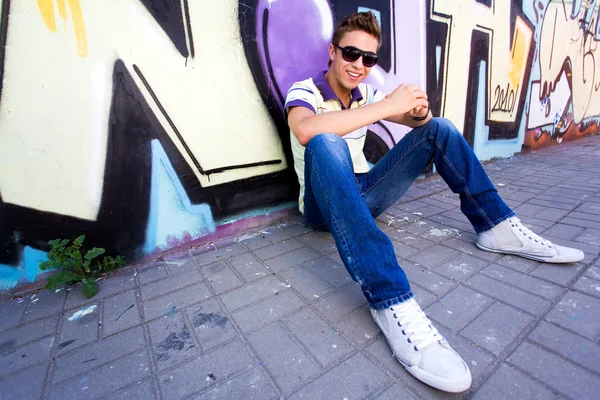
(60, 279)
(46, 265)
(93, 253)
(89, 288)
(52, 282)
(79, 240)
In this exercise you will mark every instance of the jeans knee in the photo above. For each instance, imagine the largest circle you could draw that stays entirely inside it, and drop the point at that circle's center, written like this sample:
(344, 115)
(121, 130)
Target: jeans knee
(445, 128)
(325, 139)
(332, 145)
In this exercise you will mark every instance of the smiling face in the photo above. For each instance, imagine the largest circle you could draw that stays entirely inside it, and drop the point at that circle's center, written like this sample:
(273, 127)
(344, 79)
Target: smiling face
(343, 75)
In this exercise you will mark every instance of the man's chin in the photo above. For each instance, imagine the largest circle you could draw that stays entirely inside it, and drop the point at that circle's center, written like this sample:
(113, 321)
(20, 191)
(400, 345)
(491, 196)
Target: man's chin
(350, 85)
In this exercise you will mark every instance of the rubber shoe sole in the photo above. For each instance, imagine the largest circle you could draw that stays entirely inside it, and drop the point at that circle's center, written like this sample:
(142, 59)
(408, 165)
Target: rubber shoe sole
(552, 260)
(446, 385)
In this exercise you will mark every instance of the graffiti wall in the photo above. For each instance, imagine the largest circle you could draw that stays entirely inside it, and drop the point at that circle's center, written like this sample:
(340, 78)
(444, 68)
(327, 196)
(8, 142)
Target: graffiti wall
(151, 124)
(135, 122)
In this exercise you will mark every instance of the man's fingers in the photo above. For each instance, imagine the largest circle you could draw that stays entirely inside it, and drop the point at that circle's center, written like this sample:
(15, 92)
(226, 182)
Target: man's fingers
(418, 109)
(420, 103)
(420, 94)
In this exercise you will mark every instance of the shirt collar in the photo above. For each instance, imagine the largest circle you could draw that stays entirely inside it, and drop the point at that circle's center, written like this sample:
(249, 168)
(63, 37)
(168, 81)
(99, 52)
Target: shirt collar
(328, 94)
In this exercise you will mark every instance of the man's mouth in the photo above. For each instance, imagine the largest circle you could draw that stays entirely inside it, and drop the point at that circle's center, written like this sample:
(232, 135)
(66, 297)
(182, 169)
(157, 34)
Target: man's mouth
(353, 74)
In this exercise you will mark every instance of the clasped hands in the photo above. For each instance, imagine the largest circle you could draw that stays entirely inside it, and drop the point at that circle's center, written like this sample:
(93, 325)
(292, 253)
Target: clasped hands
(409, 100)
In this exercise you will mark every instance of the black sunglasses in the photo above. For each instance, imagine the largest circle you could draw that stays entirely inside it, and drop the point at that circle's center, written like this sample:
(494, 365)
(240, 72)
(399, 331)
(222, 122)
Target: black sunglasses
(351, 54)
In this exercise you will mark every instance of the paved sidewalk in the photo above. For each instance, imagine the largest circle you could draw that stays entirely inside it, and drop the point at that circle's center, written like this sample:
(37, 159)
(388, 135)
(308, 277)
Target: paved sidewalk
(274, 314)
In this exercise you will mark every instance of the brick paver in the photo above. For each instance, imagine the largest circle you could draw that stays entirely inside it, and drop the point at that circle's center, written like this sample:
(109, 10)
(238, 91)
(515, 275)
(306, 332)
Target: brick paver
(273, 313)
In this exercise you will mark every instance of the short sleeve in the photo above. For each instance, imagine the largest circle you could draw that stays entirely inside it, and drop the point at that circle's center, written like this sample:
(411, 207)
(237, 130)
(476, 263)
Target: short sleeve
(378, 95)
(300, 95)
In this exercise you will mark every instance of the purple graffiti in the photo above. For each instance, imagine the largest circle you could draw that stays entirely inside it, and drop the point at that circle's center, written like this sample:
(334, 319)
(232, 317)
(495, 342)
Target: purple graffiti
(293, 37)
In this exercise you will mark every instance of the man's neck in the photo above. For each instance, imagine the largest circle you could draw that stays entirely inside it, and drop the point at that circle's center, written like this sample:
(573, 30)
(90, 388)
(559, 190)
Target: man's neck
(342, 93)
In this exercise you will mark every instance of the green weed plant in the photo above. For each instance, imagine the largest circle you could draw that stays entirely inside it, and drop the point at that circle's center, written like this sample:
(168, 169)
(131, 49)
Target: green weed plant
(73, 266)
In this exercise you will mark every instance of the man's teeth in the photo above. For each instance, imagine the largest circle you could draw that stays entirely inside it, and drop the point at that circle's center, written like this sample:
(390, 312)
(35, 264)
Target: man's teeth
(353, 74)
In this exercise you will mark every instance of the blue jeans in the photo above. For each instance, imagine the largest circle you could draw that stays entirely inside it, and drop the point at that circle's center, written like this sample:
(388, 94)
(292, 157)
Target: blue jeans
(346, 204)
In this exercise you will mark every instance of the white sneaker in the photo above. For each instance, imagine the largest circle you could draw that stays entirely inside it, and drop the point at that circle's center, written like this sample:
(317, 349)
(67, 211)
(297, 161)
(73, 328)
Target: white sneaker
(421, 349)
(512, 237)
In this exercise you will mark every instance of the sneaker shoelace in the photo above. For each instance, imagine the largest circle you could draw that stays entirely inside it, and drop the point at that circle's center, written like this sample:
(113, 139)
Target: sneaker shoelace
(415, 325)
(515, 223)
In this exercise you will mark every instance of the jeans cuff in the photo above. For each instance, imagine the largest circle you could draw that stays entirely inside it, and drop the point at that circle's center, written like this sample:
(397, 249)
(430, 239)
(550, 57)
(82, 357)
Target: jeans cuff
(382, 305)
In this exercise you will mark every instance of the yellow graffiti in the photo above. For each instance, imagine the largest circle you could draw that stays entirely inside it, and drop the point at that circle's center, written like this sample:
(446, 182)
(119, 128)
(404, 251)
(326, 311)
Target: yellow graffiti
(520, 51)
(46, 8)
(506, 60)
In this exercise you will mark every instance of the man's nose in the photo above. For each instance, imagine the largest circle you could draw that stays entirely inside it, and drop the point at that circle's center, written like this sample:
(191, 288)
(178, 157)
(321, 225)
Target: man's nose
(358, 63)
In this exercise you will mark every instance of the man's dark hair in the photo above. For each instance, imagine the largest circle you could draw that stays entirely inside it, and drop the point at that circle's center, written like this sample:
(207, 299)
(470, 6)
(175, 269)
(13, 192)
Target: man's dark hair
(360, 21)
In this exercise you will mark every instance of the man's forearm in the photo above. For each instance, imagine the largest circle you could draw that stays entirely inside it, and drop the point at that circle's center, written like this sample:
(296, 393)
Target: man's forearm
(339, 122)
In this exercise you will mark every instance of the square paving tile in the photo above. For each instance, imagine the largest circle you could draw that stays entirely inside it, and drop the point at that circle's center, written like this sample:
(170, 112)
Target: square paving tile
(508, 383)
(459, 307)
(461, 268)
(79, 327)
(578, 313)
(120, 312)
(496, 334)
(433, 256)
(210, 324)
(287, 362)
(560, 375)
(573, 347)
(172, 342)
(206, 371)
(354, 378)
(317, 336)
(341, 304)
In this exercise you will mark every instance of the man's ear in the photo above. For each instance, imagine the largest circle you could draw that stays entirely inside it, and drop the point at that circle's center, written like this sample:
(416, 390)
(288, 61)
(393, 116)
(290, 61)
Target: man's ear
(331, 51)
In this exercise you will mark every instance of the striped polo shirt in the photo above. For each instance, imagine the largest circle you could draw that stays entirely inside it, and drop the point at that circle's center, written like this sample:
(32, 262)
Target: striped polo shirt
(317, 95)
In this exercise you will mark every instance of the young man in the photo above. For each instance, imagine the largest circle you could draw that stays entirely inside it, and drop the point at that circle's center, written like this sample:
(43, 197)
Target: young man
(328, 117)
